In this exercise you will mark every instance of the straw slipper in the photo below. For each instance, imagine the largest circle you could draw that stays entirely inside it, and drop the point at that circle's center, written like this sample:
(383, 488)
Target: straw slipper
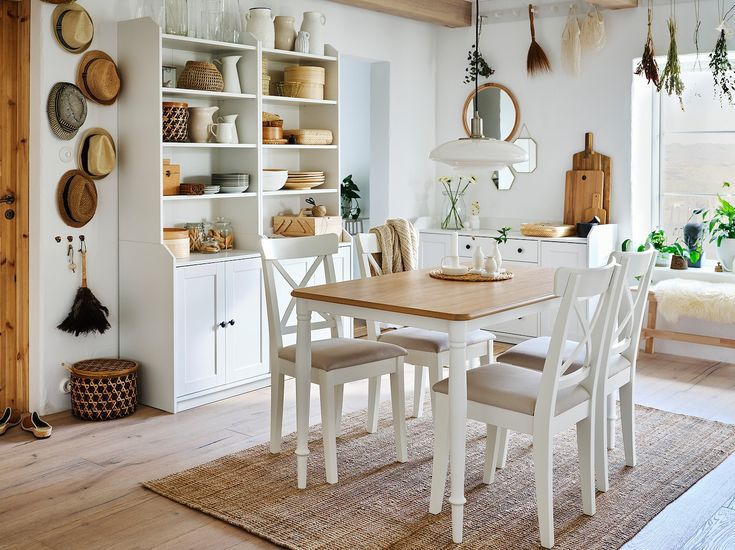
(9, 419)
(33, 423)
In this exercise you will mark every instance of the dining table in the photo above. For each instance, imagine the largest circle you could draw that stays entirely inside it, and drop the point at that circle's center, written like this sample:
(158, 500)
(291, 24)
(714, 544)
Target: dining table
(415, 299)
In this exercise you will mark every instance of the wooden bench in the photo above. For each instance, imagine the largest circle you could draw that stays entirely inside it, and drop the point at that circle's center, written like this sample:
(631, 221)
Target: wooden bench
(650, 332)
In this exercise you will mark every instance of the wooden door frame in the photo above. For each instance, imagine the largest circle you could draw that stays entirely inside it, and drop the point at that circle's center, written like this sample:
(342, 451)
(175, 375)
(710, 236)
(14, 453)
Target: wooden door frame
(15, 58)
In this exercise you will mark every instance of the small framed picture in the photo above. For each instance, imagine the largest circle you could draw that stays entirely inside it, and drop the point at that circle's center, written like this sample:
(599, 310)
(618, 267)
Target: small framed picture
(168, 77)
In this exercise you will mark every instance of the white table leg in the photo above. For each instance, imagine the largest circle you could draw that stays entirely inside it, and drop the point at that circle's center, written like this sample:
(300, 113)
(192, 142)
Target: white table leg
(457, 422)
(303, 386)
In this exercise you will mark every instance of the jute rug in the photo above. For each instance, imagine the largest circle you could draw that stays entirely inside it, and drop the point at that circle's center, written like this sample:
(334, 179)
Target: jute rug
(379, 503)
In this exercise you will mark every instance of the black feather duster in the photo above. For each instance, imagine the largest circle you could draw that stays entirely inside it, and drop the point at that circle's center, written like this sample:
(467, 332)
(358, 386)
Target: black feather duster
(87, 313)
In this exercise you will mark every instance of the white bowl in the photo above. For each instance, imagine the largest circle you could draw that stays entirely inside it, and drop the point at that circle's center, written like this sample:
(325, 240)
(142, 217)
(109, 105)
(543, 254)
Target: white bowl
(273, 180)
(455, 270)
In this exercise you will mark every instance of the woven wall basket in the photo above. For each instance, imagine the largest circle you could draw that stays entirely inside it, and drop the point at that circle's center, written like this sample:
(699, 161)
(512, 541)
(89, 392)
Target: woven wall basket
(201, 75)
(104, 389)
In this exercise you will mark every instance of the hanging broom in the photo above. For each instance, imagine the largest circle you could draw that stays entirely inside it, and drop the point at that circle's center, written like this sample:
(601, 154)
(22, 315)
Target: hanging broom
(536, 62)
(87, 313)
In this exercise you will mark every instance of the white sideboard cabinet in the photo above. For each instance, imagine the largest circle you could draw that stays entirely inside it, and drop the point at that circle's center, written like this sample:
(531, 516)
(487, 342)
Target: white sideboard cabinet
(567, 251)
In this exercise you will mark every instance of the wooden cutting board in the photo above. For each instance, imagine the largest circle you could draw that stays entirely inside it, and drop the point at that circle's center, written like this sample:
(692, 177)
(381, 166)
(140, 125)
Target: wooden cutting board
(581, 186)
(596, 209)
(591, 160)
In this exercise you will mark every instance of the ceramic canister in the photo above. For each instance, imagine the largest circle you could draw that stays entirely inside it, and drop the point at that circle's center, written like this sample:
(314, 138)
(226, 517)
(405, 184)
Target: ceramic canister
(314, 24)
(285, 32)
(260, 25)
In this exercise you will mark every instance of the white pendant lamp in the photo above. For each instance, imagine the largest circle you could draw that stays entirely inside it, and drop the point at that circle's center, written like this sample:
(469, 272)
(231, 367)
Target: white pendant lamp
(477, 151)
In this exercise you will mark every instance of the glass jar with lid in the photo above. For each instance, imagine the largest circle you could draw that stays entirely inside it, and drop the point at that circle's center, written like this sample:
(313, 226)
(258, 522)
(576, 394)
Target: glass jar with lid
(221, 231)
(210, 246)
(197, 235)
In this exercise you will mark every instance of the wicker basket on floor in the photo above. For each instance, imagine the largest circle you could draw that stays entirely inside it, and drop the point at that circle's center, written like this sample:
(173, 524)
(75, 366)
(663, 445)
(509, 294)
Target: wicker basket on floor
(104, 389)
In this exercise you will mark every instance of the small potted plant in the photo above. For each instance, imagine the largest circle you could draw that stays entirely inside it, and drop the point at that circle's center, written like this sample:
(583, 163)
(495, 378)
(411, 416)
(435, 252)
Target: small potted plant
(681, 256)
(657, 239)
(475, 215)
(721, 227)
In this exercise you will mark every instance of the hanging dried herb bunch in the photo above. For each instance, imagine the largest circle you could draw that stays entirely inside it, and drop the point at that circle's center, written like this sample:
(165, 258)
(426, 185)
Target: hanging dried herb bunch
(647, 65)
(671, 77)
(476, 66)
(721, 68)
(697, 25)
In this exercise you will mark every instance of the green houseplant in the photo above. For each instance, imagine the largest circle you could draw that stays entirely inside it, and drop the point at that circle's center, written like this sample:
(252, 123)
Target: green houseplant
(721, 227)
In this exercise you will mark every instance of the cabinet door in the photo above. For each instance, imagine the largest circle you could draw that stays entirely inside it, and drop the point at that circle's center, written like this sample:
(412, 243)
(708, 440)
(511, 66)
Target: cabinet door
(556, 254)
(246, 320)
(432, 248)
(523, 326)
(200, 341)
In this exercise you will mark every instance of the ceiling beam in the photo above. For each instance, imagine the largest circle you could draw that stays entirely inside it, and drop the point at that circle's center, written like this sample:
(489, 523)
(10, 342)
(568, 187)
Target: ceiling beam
(449, 13)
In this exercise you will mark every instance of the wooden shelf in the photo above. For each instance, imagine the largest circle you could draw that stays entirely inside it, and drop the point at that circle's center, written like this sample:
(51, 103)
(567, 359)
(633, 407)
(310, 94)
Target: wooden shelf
(217, 196)
(186, 43)
(276, 99)
(297, 147)
(178, 145)
(201, 94)
(286, 192)
(289, 57)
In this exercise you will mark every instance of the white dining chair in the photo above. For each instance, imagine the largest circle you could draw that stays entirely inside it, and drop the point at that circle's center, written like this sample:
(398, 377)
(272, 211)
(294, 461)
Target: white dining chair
(334, 361)
(545, 403)
(621, 366)
(428, 350)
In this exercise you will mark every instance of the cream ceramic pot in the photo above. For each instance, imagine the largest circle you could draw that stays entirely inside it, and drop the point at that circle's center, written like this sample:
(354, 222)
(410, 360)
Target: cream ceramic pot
(314, 24)
(260, 24)
(285, 32)
(200, 118)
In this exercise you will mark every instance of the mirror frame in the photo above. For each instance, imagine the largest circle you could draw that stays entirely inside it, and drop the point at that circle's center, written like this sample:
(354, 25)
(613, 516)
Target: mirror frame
(535, 156)
(471, 96)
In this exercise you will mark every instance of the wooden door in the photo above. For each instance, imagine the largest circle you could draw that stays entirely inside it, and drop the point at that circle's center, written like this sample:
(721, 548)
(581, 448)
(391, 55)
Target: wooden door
(14, 123)
(247, 347)
(200, 327)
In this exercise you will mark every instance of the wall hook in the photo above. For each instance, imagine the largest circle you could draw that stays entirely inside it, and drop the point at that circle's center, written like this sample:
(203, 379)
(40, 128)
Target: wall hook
(57, 238)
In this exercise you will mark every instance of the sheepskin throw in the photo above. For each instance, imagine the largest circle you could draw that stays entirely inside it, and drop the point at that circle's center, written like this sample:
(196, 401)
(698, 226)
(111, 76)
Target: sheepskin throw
(399, 242)
(698, 299)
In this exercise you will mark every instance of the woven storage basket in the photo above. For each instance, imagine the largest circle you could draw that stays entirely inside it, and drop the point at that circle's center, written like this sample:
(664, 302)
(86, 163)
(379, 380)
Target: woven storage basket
(175, 121)
(547, 230)
(305, 136)
(201, 75)
(266, 85)
(104, 389)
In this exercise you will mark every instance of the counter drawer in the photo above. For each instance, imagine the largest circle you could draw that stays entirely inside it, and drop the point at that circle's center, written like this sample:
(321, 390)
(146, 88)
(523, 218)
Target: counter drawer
(520, 250)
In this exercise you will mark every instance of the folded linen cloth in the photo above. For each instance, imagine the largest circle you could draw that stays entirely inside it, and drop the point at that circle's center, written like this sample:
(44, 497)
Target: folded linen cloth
(698, 299)
(399, 243)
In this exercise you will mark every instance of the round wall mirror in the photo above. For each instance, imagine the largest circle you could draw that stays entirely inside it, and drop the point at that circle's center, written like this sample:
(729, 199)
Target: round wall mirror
(498, 109)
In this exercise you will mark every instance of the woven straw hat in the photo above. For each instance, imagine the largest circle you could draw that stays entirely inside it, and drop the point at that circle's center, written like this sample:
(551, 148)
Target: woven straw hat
(67, 110)
(98, 77)
(96, 154)
(76, 197)
(73, 27)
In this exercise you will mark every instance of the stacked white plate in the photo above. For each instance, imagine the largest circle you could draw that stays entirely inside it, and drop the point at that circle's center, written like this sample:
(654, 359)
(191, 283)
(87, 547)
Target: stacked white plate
(231, 183)
(304, 180)
(211, 189)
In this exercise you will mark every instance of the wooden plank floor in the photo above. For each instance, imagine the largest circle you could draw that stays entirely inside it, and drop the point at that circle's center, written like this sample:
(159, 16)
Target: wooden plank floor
(81, 488)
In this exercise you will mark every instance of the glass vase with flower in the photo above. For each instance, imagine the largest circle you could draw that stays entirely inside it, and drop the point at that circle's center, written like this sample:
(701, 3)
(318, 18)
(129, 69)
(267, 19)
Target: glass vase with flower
(454, 210)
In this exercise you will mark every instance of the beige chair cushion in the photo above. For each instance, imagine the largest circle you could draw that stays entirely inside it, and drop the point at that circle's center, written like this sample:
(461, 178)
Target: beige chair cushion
(512, 388)
(429, 340)
(531, 354)
(338, 353)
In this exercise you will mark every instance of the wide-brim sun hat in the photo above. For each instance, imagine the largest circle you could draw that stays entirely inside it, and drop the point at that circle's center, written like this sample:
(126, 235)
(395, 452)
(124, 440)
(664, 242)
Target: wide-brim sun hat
(98, 77)
(66, 109)
(96, 154)
(72, 27)
(76, 197)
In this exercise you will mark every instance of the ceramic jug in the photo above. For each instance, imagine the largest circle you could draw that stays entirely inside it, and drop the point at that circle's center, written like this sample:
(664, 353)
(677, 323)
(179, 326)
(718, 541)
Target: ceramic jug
(302, 42)
(231, 119)
(228, 68)
(223, 132)
(285, 32)
(314, 24)
(200, 118)
(260, 24)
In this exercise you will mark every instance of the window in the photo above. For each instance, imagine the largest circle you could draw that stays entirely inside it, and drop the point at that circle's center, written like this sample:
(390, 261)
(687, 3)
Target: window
(694, 151)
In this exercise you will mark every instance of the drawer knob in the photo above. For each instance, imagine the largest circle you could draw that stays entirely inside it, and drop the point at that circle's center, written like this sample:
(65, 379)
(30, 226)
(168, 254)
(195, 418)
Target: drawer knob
(520, 251)
(223, 324)
(467, 246)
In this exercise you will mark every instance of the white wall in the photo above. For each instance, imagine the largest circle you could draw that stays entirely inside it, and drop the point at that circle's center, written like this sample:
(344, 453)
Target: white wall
(559, 108)
(407, 46)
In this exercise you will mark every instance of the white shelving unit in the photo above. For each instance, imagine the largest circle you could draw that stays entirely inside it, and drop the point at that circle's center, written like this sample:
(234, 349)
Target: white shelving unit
(161, 304)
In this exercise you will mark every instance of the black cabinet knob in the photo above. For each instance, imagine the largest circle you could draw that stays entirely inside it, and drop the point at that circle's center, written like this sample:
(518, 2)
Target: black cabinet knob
(520, 251)
(232, 322)
(467, 246)
(223, 324)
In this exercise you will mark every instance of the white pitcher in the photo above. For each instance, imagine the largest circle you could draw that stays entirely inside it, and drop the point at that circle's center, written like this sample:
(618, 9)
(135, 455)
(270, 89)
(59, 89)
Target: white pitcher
(230, 75)
(223, 132)
(314, 24)
(302, 42)
(200, 118)
(260, 24)
(232, 119)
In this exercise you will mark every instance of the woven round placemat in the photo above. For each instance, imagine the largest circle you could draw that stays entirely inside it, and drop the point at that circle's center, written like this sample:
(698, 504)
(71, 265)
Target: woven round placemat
(471, 277)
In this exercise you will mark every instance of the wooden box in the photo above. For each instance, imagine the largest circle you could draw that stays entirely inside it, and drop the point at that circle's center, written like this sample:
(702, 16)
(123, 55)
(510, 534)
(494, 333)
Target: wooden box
(171, 177)
(306, 226)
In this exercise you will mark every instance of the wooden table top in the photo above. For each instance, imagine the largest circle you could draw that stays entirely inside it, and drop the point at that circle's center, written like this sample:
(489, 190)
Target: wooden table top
(415, 293)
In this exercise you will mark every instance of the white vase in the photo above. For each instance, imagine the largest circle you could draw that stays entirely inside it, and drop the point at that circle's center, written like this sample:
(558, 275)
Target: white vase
(230, 75)
(302, 42)
(474, 222)
(478, 258)
(285, 32)
(313, 23)
(726, 254)
(491, 266)
(260, 25)
(498, 257)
